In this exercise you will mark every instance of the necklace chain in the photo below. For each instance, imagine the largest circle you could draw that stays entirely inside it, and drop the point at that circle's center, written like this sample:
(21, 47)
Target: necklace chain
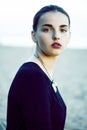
(41, 61)
(52, 80)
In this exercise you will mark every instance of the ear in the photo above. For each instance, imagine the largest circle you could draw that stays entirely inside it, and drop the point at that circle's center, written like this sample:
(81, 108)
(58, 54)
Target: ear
(33, 35)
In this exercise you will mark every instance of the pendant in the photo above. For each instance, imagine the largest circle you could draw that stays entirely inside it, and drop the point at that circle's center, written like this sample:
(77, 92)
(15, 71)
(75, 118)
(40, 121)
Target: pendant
(54, 85)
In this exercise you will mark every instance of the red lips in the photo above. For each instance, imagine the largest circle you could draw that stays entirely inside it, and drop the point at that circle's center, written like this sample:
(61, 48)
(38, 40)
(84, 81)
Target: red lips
(56, 45)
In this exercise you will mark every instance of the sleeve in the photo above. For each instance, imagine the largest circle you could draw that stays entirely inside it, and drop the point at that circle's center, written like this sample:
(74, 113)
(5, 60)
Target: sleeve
(32, 103)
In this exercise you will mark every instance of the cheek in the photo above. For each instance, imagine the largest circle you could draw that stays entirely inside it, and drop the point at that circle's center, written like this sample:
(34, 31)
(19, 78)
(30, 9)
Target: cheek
(66, 39)
(42, 39)
(65, 42)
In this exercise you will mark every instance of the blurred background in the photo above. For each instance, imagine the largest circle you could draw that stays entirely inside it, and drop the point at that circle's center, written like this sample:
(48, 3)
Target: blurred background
(16, 47)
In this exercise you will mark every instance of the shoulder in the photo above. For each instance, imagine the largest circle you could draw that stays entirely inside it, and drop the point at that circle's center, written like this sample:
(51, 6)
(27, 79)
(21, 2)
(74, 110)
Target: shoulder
(33, 74)
(30, 70)
(30, 67)
(30, 76)
(29, 80)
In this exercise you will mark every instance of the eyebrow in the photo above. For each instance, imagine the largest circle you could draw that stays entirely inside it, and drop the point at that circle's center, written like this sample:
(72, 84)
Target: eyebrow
(49, 25)
(63, 25)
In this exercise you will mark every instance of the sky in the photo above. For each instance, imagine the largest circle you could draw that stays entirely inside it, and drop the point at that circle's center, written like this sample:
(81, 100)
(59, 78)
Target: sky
(16, 21)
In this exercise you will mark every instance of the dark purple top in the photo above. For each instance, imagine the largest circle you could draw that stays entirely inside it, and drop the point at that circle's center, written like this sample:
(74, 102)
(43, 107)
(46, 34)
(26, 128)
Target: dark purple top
(32, 102)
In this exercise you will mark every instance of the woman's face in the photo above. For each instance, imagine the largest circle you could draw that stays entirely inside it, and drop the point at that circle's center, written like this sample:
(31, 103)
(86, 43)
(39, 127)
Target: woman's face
(53, 33)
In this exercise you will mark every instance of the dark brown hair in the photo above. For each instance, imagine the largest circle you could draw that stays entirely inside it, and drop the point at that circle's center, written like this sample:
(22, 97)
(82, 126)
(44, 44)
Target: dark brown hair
(46, 9)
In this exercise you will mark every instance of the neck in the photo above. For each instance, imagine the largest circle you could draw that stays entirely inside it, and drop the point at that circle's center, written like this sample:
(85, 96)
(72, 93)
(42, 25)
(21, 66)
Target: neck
(47, 63)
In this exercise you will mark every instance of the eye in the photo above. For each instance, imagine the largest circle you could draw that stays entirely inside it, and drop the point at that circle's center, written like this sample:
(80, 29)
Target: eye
(45, 29)
(63, 30)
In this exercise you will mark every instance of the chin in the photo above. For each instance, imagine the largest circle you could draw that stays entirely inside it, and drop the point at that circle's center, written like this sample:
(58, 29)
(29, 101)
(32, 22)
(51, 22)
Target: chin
(54, 55)
(58, 52)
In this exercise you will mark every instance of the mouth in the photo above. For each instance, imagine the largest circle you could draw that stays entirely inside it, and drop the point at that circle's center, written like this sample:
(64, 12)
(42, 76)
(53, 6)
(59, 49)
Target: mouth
(56, 45)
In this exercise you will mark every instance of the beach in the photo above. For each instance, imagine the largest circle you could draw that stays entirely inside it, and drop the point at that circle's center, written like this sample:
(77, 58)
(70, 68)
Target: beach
(70, 74)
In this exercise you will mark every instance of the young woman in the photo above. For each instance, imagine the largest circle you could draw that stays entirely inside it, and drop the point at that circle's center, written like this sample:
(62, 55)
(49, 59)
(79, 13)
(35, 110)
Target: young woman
(34, 102)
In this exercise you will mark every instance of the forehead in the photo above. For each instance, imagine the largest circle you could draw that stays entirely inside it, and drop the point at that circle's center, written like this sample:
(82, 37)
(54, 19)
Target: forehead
(53, 18)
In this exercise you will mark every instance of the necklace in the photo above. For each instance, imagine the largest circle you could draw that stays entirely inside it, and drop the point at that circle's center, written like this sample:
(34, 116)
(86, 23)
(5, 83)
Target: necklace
(50, 77)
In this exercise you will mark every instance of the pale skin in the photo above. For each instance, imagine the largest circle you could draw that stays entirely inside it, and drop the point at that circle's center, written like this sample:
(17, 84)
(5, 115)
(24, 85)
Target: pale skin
(52, 27)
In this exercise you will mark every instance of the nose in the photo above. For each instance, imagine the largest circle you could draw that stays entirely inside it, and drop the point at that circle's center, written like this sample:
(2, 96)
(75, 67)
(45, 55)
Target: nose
(56, 35)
